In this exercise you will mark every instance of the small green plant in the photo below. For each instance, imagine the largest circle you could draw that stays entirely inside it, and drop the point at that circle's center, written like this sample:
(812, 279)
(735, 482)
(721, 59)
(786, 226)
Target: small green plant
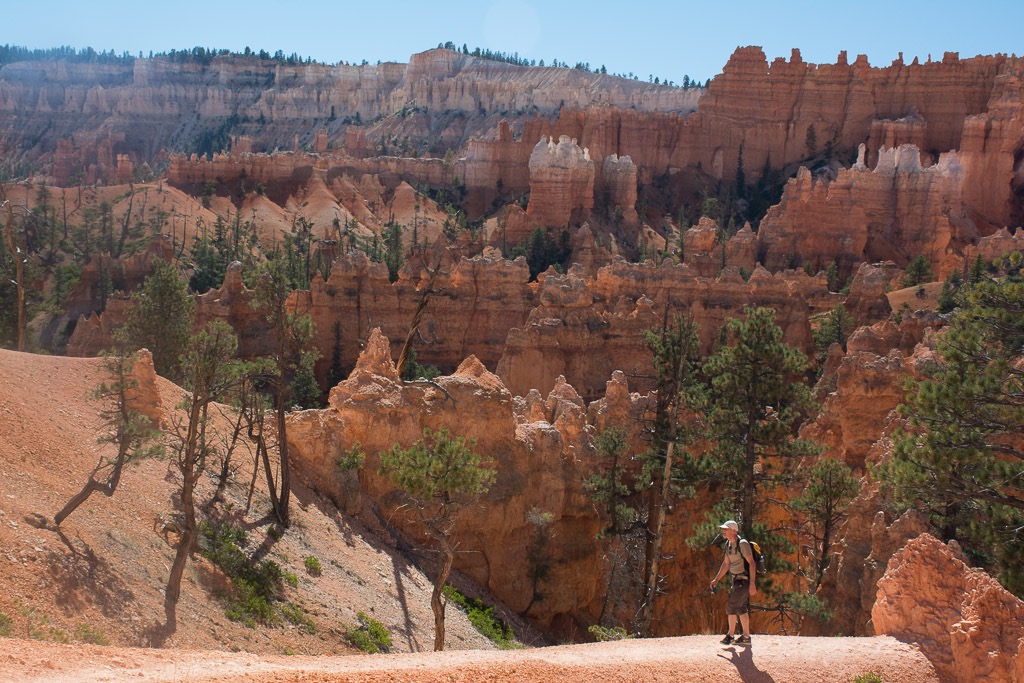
(273, 532)
(6, 625)
(604, 634)
(298, 616)
(352, 459)
(870, 677)
(39, 626)
(57, 635)
(86, 633)
(313, 565)
(255, 587)
(370, 636)
(483, 619)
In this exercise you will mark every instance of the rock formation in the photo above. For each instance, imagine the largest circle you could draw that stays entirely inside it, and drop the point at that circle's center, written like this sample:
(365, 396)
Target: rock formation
(534, 461)
(586, 329)
(145, 103)
(561, 182)
(967, 625)
(619, 177)
(895, 212)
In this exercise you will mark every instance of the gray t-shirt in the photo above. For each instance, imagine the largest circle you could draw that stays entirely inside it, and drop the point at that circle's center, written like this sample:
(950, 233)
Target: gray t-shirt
(736, 566)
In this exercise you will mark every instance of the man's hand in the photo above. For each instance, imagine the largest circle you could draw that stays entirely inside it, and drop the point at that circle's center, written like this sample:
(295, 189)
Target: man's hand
(753, 590)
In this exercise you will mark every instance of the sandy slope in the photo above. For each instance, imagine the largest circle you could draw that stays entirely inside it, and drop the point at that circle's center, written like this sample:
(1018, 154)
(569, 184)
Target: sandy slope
(107, 567)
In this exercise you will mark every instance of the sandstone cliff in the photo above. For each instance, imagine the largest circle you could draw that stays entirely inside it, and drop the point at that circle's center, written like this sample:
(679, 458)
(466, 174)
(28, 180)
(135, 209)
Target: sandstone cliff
(140, 107)
(967, 625)
(894, 212)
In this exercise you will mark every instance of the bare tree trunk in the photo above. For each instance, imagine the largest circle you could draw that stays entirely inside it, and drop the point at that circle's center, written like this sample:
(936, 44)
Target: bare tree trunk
(282, 449)
(437, 596)
(651, 588)
(125, 225)
(107, 488)
(275, 503)
(403, 357)
(188, 461)
(225, 467)
(19, 275)
(748, 481)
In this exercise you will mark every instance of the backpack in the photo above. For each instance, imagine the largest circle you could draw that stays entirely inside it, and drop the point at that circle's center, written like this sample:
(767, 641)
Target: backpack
(759, 561)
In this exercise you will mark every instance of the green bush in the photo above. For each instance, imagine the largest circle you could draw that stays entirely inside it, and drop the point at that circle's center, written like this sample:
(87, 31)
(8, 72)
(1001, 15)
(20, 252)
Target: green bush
(255, 588)
(483, 619)
(870, 677)
(6, 625)
(298, 616)
(313, 565)
(85, 633)
(370, 636)
(352, 459)
(603, 634)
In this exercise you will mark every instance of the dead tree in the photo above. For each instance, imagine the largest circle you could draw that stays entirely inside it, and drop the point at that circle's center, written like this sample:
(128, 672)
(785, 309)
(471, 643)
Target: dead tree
(19, 273)
(132, 433)
(421, 307)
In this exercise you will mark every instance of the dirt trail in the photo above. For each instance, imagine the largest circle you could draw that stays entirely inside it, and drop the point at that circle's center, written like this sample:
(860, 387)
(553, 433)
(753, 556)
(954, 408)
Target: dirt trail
(692, 658)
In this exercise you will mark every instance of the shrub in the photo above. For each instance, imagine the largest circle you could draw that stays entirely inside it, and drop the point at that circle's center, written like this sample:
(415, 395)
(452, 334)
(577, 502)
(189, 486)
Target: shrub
(483, 619)
(603, 634)
(313, 565)
(370, 636)
(870, 677)
(298, 616)
(85, 633)
(6, 625)
(255, 588)
(351, 459)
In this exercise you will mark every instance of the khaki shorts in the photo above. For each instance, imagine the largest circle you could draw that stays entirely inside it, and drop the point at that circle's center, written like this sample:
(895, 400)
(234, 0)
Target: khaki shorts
(739, 597)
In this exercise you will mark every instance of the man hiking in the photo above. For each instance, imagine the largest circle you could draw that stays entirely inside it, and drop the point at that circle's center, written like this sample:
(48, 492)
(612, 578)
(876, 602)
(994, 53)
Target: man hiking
(744, 582)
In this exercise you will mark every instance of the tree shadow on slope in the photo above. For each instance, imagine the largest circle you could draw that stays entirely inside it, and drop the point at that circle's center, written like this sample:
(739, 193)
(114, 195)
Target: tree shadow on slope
(82, 578)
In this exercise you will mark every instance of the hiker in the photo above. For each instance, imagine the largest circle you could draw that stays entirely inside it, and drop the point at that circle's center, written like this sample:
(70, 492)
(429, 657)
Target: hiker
(744, 582)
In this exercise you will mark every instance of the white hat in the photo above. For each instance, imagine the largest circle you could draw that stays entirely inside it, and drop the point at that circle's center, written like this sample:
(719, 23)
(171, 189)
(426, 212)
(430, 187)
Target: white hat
(730, 525)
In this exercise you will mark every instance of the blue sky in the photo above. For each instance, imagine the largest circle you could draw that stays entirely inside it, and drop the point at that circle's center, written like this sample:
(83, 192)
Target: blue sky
(666, 39)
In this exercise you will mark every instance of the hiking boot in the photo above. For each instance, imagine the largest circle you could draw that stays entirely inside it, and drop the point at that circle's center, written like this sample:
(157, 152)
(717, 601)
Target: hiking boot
(727, 640)
(742, 640)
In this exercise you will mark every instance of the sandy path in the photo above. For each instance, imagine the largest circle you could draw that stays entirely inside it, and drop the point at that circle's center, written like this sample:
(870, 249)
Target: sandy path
(692, 658)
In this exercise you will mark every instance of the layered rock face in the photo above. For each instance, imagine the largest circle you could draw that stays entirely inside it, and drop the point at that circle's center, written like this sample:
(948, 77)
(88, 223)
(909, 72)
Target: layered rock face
(619, 175)
(534, 447)
(894, 212)
(969, 627)
(769, 108)
(576, 326)
(150, 102)
(561, 182)
(585, 329)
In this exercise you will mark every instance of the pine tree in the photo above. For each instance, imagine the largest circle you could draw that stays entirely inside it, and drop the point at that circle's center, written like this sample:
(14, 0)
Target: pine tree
(918, 270)
(160, 319)
(961, 461)
(134, 436)
(292, 334)
(208, 370)
(827, 491)
(675, 356)
(757, 398)
(440, 474)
